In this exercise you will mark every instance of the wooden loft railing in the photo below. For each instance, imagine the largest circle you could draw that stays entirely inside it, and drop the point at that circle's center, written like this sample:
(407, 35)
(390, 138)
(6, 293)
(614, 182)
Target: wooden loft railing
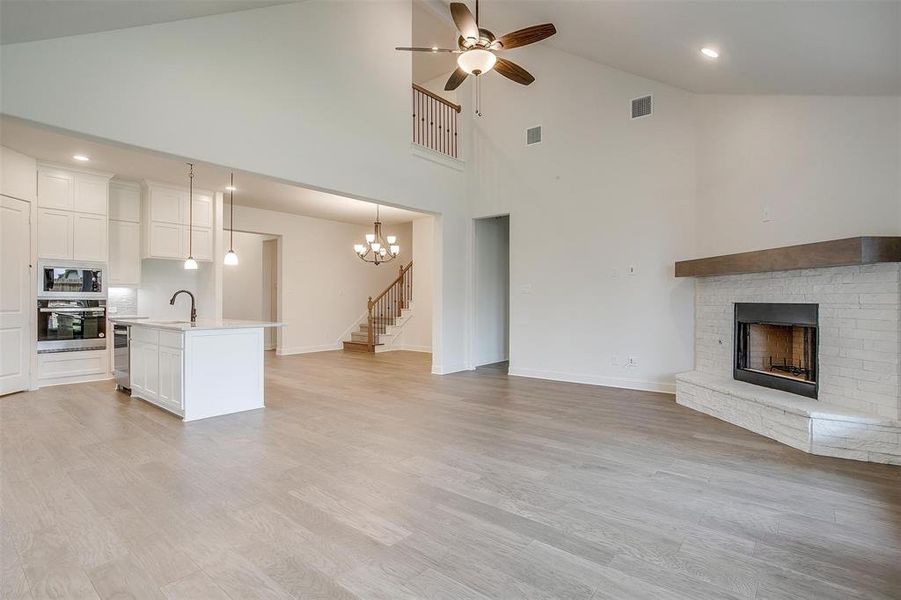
(384, 309)
(434, 121)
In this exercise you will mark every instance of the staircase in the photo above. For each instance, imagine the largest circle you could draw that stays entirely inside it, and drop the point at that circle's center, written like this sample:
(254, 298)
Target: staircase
(385, 315)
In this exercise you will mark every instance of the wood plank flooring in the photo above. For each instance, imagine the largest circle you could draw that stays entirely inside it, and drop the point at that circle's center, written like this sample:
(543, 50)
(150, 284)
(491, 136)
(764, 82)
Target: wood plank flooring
(367, 477)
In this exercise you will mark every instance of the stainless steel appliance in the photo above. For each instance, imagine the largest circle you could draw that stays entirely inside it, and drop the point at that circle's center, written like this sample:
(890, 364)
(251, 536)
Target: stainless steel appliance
(122, 355)
(71, 324)
(62, 279)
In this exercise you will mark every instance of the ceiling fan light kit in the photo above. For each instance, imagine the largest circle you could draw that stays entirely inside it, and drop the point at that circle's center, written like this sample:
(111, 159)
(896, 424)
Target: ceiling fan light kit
(477, 48)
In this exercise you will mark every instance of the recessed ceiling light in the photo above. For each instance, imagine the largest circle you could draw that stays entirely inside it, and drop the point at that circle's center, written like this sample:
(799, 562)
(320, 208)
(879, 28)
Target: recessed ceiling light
(434, 48)
(80, 157)
(710, 52)
(230, 188)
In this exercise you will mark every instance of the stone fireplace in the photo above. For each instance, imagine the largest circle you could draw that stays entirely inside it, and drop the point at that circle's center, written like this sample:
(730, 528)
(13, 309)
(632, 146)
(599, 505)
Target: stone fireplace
(808, 357)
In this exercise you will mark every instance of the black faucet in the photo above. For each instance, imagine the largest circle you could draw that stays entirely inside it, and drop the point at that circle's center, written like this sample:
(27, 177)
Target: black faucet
(193, 309)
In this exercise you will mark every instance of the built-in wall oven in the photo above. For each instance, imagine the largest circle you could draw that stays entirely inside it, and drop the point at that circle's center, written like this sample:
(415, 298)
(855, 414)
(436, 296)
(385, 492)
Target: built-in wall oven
(63, 279)
(65, 325)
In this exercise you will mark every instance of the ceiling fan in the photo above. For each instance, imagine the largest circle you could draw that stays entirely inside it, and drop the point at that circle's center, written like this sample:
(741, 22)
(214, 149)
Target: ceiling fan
(478, 47)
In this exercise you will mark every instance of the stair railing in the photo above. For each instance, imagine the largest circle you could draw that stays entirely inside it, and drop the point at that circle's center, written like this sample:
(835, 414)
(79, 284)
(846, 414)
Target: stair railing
(434, 121)
(388, 305)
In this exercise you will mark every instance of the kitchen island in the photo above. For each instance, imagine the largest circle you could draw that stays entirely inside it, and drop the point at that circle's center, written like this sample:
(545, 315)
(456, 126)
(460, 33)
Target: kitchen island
(197, 370)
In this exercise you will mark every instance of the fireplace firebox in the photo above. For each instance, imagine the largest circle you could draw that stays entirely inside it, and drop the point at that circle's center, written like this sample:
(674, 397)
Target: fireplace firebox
(776, 346)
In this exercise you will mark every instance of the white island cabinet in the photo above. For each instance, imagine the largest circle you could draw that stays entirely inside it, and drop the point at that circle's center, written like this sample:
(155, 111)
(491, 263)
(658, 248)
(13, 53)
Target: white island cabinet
(207, 369)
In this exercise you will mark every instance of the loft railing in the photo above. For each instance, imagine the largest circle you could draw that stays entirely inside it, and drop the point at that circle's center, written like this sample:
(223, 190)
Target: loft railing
(385, 308)
(434, 121)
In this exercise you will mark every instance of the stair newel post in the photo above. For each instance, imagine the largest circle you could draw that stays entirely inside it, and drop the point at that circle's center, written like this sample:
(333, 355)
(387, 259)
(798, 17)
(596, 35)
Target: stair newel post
(369, 321)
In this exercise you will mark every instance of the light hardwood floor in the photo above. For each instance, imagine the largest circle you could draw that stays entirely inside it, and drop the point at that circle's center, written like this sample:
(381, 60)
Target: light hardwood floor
(368, 477)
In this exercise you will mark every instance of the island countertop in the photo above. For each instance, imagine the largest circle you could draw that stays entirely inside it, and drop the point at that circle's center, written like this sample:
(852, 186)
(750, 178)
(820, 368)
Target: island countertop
(200, 325)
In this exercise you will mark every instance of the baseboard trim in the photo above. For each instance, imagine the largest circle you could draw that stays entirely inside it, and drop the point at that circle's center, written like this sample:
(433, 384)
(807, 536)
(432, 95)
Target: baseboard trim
(410, 348)
(308, 349)
(628, 384)
(439, 370)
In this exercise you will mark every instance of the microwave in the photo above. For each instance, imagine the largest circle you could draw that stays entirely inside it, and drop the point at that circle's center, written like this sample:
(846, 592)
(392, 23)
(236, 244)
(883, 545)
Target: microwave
(70, 280)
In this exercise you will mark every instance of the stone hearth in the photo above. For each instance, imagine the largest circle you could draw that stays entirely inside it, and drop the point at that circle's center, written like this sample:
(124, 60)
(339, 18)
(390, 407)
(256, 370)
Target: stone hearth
(857, 413)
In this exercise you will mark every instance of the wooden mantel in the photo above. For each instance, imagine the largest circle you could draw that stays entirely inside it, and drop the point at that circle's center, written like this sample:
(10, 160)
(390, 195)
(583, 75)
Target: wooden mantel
(834, 253)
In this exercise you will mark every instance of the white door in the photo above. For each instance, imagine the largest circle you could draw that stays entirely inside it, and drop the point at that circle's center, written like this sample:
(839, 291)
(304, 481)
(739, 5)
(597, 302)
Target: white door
(15, 244)
(89, 238)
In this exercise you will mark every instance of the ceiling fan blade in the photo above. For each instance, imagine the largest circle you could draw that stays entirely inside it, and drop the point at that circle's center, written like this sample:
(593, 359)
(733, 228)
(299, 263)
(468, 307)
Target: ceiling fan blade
(513, 71)
(436, 50)
(454, 81)
(529, 35)
(464, 20)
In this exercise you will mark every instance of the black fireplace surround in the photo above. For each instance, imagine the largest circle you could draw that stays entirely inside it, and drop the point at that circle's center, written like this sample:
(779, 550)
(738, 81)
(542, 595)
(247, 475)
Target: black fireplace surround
(776, 346)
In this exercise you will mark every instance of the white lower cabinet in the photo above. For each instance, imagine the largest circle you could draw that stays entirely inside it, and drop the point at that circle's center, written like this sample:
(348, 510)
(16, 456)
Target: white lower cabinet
(124, 253)
(156, 368)
(170, 394)
(72, 367)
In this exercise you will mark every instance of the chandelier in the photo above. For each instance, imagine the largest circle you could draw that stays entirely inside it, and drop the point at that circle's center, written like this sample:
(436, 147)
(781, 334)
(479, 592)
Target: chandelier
(377, 250)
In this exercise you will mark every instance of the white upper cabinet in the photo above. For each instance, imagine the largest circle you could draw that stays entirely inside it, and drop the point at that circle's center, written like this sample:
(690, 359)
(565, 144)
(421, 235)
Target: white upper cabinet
(167, 215)
(72, 214)
(56, 188)
(18, 175)
(91, 194)
(89, 237)
(55, 230)
(203, 211)
(124, 253)
(125, 201)
(165, 205)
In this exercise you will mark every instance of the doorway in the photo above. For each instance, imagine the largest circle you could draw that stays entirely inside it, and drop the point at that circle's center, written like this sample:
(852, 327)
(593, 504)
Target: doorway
(491, 339)
(250, 288)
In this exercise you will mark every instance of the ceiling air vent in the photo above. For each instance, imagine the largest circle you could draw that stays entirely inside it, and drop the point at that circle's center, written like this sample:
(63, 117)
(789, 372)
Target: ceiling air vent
(641, 107)
(533, 135)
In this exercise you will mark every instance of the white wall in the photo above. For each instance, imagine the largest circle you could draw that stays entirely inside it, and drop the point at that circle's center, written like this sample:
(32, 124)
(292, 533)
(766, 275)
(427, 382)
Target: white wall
(162, 278)
(823, 167)
(492, 290)
(600, 193)
(243, 284)
(272, 104)
(324, 285)
(417, 332)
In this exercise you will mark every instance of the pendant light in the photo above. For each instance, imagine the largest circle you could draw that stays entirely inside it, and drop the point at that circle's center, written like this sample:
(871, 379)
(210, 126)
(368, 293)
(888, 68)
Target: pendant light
(377, 249)
(190, 263)
(231, 258)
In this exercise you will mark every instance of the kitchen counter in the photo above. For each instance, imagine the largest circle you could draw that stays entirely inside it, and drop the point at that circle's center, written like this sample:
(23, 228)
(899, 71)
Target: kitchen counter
(211, 368)
(200, 325)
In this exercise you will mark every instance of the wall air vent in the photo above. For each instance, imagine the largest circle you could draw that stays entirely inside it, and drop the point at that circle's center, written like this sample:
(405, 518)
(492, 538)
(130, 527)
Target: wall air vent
(641, 107)
(533, 135)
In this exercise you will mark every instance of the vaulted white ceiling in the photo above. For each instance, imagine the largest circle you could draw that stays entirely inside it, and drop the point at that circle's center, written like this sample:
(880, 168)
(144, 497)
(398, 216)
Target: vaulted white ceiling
(30, 20)
(132, 164)
(834, 47)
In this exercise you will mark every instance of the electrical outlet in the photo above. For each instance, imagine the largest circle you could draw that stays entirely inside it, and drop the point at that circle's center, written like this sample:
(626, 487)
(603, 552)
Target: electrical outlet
(765, 216)
(633, 270)
(614, 273)
(614, 361)
(633, 361)
(525, 288)
(112, 310)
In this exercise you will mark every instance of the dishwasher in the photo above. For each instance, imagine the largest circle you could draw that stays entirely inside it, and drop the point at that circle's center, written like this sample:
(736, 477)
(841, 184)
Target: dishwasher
(121, 356)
